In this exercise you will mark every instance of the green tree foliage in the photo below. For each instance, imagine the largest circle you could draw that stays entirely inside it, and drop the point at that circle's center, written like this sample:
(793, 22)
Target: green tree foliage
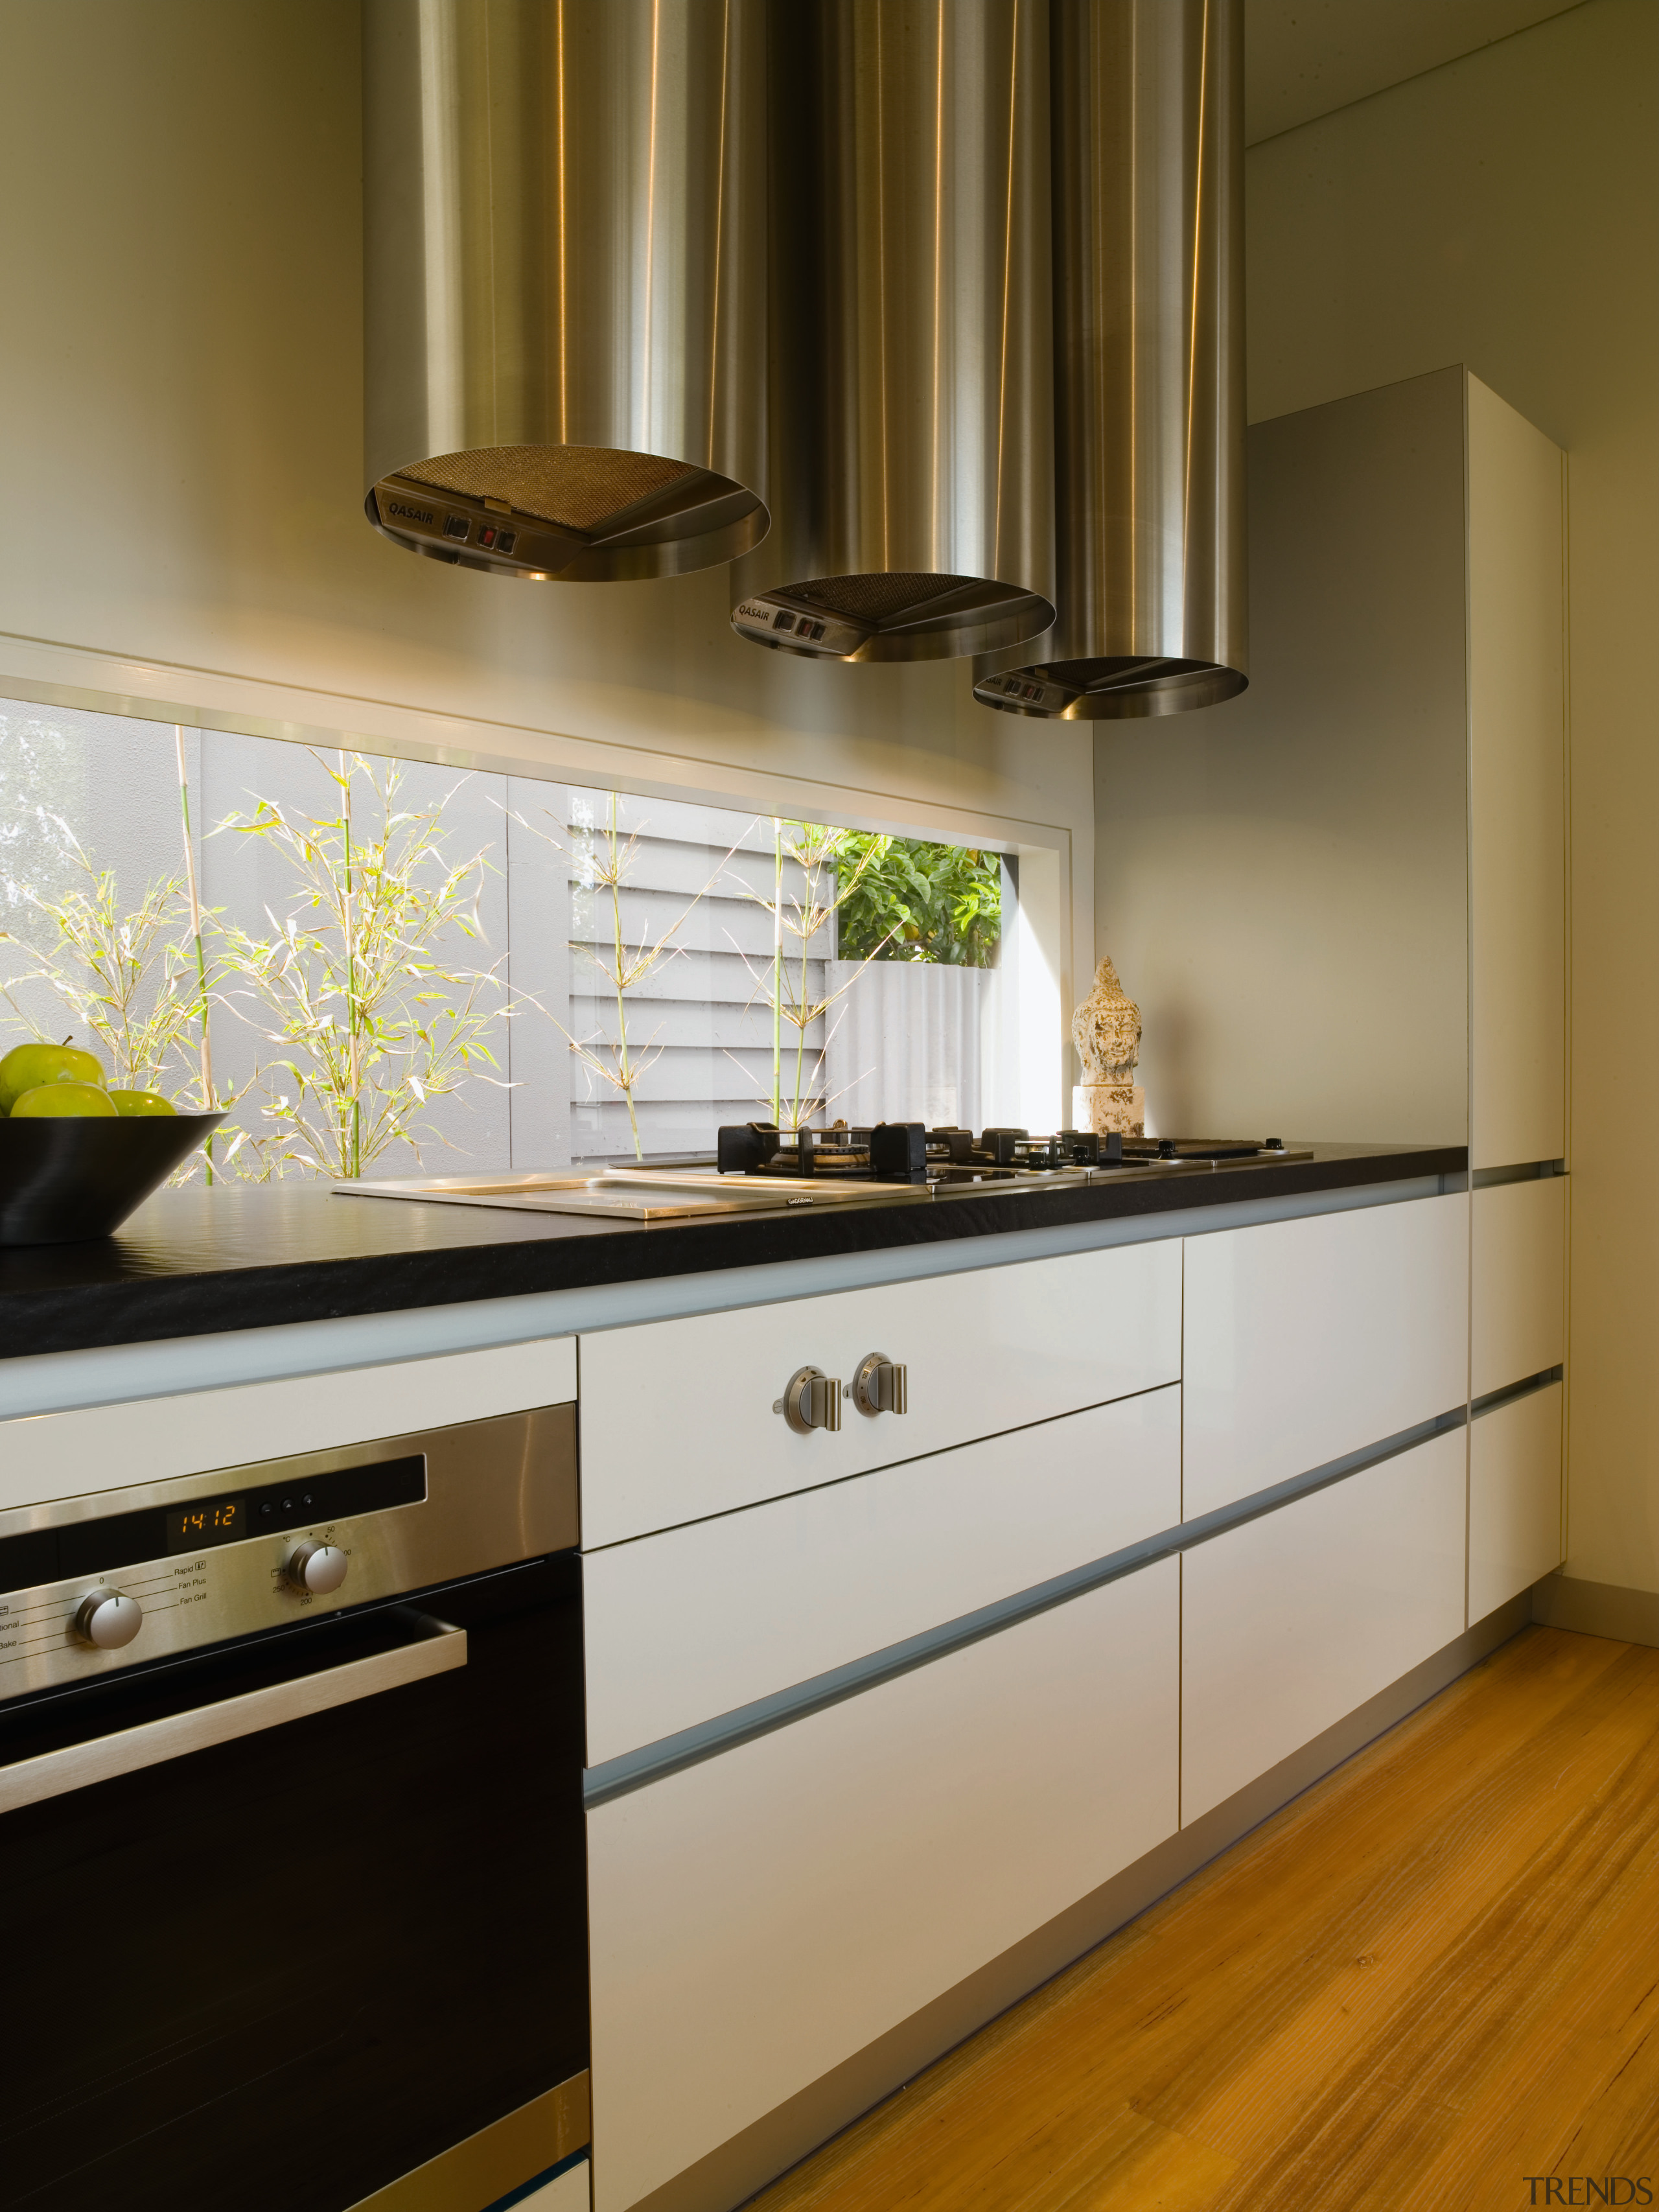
(916, 900)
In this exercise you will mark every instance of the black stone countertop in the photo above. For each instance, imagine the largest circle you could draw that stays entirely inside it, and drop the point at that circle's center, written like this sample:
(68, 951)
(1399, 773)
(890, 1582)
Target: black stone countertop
(196, 1261)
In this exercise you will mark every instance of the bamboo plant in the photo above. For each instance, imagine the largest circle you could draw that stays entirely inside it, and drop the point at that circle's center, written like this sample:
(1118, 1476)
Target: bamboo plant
(370, 1024)
(138, 985)
(121, 978)
(210, 1096)
(833, 863)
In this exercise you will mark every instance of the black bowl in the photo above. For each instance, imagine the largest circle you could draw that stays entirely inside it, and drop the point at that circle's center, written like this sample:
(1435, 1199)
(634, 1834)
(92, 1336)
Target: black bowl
(63, 1180)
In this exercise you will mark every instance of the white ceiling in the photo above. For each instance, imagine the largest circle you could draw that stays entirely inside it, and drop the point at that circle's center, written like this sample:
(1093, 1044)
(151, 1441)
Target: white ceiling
(1304, 57)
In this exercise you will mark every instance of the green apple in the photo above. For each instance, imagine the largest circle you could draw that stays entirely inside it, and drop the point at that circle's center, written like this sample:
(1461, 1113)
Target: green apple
(48, 1099)
(136, 1102)
(27, 1066)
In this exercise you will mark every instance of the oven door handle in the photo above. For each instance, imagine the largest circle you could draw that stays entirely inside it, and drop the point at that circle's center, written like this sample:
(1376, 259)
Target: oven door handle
(439, 1647)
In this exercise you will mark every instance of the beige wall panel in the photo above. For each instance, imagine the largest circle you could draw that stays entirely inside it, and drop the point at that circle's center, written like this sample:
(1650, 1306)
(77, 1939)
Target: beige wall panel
(759, 1917)
(1281, 881)
(1305, 57)
(1515, 1499)
(1517, 788)
(1518, 1282)
(1503, 211)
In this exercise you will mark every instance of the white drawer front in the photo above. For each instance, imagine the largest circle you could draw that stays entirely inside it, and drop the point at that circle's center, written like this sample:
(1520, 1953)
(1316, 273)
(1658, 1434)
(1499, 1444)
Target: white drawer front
(151, 1439)
(1518, 1301)
(760, 1917)
(1515, 1499)
(677, 1418)
(1305, 1339)
(1291, 1621)
(689, 1623)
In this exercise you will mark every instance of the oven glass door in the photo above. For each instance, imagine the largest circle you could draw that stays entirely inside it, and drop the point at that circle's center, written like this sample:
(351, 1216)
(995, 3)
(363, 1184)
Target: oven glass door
(282, 1970)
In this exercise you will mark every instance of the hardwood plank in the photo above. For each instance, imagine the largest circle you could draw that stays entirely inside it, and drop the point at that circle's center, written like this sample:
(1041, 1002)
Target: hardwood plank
(1435, 1972)
(1400, 1944)
(1404, 2119)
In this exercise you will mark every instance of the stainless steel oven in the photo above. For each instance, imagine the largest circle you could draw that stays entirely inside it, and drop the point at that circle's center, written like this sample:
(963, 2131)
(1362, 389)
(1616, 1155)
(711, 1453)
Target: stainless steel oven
(290, 1830)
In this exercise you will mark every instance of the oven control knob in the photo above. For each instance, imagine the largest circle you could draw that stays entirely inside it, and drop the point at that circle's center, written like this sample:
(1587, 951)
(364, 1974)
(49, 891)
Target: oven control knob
(318, 1568)
(108, 1619)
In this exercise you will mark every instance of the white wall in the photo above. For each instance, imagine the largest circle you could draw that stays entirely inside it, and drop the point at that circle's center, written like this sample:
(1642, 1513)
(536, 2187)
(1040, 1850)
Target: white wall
(181, 429)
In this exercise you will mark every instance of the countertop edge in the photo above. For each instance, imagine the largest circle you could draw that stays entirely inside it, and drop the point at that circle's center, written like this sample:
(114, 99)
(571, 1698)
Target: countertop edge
(211, 1300)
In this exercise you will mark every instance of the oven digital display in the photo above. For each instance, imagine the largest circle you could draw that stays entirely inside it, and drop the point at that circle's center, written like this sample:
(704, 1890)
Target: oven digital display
(220, 1521)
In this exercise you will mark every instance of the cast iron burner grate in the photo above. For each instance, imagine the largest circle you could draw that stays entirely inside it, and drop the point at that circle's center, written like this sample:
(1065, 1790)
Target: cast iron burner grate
(909, 1151)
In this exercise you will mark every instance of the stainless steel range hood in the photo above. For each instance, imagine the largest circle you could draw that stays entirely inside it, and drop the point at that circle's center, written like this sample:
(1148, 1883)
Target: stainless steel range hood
(1149, 356)
(912, 464)
(565, 273)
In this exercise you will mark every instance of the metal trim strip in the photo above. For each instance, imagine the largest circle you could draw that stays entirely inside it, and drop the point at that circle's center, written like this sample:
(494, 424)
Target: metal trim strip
(1494, 1398)
(477, 2172)
(439, 1647)
(1524, 1171)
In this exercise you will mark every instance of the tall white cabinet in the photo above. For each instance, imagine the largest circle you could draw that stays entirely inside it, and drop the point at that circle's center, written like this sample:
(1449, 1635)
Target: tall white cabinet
(1340, 899)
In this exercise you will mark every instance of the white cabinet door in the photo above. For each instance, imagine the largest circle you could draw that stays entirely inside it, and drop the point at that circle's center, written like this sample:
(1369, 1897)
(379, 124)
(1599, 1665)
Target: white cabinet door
(1514, 1498)
(759, 1917)
(1308, 1339)
(678, 1420)
(1292, 1620)
(689, 1623)
(1518, 1303)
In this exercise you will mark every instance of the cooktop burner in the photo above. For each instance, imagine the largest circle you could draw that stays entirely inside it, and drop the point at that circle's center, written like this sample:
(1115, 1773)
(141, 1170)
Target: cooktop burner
(911, 1153)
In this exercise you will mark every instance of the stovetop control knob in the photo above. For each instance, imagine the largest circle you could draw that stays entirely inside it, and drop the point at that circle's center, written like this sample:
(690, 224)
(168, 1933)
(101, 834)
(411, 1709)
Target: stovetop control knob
(108, 1619)
(811, 1399)
(881, 1385)
(318, 1568)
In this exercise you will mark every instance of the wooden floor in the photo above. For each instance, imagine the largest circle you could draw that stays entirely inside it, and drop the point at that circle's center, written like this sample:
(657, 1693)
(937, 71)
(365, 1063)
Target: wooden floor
(1434, 1975)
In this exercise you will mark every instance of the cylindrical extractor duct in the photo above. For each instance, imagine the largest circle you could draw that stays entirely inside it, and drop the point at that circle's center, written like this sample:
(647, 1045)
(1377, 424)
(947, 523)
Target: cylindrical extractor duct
(913, 466)
(565, 282)
(1149, 365)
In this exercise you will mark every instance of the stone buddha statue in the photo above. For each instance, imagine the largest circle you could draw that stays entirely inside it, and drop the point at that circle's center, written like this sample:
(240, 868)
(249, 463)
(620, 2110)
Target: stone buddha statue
(1106, 1030)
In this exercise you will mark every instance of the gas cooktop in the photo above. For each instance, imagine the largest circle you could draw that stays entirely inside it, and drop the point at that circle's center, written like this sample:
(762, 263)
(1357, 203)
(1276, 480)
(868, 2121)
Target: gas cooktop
(757, 1168)
(911, 1153)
